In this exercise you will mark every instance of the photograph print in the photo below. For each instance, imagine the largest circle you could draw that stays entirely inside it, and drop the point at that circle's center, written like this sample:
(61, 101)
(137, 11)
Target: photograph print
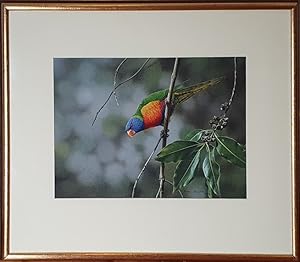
(150, 127)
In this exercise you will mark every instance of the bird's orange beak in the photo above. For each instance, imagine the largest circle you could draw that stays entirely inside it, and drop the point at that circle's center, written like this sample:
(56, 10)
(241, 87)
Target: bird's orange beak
(130, 133)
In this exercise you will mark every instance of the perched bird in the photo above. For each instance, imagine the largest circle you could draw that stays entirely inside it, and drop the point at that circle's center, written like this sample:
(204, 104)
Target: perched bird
(151, 111)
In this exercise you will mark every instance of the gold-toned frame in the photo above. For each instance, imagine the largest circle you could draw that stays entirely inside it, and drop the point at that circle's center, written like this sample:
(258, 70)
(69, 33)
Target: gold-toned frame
(12, 5)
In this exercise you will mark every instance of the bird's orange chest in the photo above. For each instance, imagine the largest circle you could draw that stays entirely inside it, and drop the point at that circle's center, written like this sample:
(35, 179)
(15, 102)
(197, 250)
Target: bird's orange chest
(153, 113)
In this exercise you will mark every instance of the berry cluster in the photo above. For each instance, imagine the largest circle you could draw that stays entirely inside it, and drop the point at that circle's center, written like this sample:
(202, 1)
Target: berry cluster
(208, 136)
(225, 107)
(218, 122)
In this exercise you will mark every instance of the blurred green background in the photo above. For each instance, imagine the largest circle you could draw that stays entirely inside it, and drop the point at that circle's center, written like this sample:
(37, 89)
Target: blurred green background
(101, 161)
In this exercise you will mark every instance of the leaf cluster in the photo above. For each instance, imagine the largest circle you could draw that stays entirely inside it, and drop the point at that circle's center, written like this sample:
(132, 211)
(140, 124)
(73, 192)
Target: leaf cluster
(197, 154)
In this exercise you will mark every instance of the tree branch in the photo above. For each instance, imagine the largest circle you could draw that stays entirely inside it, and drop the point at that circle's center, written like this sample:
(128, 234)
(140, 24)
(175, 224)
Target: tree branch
(234, 85)
(221, 121)
(115, 78)
(144, 167)
(168, 113)
(117, 86)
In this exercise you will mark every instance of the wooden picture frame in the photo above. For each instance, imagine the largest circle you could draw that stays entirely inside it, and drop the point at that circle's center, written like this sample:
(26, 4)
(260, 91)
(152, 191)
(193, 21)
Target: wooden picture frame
(6, 186)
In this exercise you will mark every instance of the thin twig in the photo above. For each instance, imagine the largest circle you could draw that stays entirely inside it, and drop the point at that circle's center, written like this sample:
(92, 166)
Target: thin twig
(135, 74)
(144, 167)
(115, 78)
(118, 69)
(117, 86)
(221, 121)
(158, 191)
(234, 85)
(168, 113)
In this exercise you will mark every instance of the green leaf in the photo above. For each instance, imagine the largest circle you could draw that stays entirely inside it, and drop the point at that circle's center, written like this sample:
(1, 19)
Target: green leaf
(231, 150)
(211, 171)
(194, 135)
(176, 151)
(197, 136)
(186, 170)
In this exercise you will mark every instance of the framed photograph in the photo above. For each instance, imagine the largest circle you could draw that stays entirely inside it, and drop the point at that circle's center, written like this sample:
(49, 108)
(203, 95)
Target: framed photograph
(150, 131)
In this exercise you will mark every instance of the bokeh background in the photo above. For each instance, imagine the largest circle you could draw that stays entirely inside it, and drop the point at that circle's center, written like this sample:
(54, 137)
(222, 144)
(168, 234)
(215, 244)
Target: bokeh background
(101, 161)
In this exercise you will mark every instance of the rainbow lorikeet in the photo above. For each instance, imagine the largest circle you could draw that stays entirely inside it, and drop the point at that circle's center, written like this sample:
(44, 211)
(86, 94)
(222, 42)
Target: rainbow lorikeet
(151, 111)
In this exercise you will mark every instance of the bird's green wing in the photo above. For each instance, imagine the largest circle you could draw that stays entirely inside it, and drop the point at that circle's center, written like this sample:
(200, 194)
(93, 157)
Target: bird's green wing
(157, 95)
(180, 95)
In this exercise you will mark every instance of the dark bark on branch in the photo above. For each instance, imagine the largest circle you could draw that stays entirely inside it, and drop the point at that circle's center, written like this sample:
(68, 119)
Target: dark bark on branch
(168, 113)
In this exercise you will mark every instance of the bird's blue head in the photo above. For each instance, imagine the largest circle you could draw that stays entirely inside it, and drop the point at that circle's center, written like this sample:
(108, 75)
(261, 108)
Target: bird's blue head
(134, 125)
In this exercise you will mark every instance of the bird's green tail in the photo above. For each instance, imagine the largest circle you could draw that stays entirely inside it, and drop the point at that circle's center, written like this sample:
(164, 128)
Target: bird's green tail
(183, 94)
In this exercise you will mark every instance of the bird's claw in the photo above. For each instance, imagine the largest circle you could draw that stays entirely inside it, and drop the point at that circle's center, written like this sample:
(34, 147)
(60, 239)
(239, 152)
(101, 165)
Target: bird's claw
(164, 133)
